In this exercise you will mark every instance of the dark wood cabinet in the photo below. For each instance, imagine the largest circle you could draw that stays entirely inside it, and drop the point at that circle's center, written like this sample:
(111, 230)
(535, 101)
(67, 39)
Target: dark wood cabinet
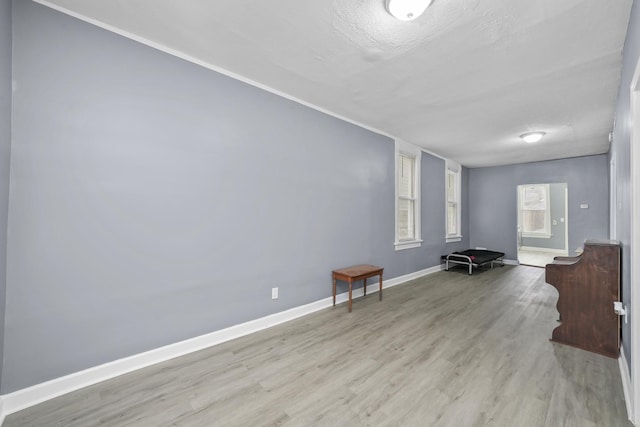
(587, 286)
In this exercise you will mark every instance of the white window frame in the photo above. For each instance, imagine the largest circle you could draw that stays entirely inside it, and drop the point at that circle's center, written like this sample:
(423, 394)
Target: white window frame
(406, 149)
(454, 170)
(546, 234)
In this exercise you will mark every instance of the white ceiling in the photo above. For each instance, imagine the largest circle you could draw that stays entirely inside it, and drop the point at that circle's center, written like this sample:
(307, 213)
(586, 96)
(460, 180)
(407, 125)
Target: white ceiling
(463, 81)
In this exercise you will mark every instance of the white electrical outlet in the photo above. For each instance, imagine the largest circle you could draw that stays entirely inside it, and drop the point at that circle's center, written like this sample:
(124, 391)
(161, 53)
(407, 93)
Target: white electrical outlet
(274, 293)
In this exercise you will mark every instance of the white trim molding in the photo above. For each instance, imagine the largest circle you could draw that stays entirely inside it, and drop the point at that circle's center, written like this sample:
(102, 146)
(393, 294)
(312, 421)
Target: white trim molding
(634, 146)
(2, 414)
(408, 244)
(537, 249)
(171, 51)
(625, 376)
(30, 396)
(613, 198)
(179, 54)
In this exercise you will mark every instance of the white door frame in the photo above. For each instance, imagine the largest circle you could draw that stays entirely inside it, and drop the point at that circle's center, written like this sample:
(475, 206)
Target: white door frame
(566, 219)
(634, 253)
(613, 198)
(565, 214)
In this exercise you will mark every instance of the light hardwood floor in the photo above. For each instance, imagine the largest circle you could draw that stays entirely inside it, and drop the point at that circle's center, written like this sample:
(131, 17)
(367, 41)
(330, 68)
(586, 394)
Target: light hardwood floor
(535, 258)
(445, 350)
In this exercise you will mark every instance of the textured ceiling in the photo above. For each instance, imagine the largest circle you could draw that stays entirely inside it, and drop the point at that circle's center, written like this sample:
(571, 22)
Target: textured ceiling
(463, 81)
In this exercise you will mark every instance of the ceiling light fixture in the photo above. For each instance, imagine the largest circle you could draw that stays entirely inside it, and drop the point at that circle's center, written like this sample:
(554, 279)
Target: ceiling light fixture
(532, 137)
(407, 10)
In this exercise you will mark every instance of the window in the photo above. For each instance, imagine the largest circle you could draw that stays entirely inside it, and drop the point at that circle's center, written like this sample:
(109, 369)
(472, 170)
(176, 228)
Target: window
(407, 196)
(453, 184)
(535, 208)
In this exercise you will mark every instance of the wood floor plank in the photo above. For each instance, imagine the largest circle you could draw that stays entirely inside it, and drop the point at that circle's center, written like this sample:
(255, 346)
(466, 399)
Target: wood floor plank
(448, 349)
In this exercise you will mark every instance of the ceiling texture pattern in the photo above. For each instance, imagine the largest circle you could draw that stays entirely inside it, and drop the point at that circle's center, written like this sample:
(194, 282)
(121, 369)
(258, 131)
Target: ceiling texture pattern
(463, 80)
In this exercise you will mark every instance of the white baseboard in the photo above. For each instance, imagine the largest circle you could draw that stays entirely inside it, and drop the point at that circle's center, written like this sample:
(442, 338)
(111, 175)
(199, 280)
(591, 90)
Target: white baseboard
(537, 249)
(2, 413)
(625, 375)
(511, 262)
(22, 399)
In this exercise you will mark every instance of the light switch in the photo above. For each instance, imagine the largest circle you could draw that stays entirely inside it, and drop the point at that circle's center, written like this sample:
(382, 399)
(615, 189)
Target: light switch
(584, 206)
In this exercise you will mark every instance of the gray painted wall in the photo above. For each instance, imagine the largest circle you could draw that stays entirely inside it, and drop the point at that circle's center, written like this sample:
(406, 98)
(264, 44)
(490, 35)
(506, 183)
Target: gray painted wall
(493, 198)
(433, 210)
(620, 152)
(154, 200)
(5, 150)
(556, 212)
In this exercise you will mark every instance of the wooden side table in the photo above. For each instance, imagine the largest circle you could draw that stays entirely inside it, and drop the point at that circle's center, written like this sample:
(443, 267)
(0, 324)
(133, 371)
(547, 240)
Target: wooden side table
(355, 273)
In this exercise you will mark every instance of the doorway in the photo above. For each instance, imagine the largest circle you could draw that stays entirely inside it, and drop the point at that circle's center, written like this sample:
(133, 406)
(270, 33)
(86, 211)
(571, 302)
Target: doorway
(542, 223)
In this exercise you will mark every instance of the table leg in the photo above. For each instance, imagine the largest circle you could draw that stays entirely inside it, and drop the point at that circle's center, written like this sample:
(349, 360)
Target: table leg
(365, 286)
(334, 291)
(350, 282)
(380, 287)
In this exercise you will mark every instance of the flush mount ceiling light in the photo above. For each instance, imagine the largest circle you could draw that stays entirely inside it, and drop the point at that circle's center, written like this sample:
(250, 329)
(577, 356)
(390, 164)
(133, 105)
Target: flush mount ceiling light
(406, 10)
(532, 137)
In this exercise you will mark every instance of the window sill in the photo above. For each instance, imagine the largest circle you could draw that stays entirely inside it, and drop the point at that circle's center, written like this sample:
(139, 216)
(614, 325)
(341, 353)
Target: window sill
(452, 239)
(409, 244)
